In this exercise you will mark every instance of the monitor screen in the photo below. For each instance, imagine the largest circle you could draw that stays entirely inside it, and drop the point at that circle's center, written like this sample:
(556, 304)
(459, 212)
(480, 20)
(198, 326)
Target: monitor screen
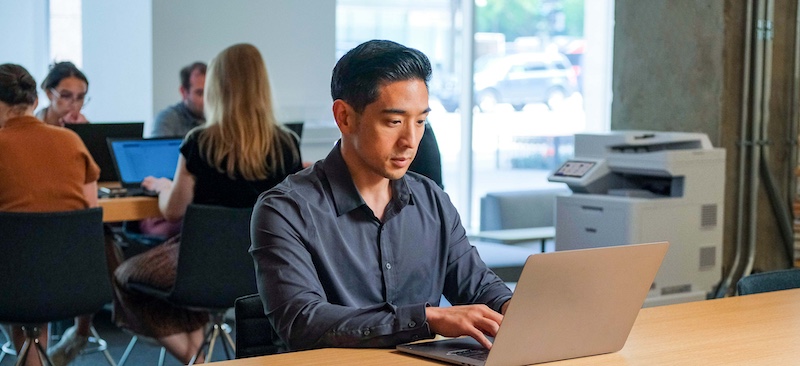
(575, 169)
(94, 136)
(137, 159)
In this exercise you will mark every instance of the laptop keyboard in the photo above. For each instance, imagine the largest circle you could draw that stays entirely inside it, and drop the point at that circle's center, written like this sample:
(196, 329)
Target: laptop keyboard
(121, 192)
(475, 354)
(138, 191)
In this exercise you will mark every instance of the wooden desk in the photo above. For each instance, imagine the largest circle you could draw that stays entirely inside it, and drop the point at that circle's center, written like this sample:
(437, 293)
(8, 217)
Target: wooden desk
(129, 208)
(759, 329)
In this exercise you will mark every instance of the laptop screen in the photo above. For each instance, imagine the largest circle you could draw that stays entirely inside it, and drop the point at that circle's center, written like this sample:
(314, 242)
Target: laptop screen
(94, 136)
(296, 127)
(137, 159)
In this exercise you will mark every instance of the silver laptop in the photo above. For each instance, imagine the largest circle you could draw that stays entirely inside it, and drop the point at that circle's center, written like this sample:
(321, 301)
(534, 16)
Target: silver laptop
(566, 304)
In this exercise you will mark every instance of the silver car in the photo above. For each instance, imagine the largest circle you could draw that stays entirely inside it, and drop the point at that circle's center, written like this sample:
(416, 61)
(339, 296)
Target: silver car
(519, 79)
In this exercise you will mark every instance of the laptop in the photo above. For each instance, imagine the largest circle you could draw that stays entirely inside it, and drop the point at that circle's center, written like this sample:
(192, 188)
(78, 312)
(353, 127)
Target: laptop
(567, 304)
(135, 159)
(94, 136)
(296, 127)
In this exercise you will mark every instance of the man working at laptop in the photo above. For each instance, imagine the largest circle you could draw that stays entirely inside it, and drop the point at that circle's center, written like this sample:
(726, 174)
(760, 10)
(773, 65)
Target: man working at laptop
(177, 120)
(354, 251)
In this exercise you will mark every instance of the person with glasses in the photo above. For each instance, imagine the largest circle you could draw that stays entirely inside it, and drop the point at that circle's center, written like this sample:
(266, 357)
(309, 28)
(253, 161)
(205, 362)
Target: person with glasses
(66, 88)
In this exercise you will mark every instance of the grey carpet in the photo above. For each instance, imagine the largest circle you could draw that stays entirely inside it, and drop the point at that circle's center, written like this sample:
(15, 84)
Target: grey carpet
(144, 353)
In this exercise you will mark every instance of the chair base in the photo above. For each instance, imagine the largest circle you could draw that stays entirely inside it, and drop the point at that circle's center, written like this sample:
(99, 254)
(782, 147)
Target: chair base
(162, 355)
(218, 327)
(100, 345)
(32, 334)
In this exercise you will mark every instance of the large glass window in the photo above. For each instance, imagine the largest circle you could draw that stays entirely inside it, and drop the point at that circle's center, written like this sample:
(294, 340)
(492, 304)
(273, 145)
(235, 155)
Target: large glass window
(66, 38)
(527, 87)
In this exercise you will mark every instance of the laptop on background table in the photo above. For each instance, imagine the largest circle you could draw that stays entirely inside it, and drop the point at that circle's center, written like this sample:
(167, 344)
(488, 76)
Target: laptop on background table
(567, 304)
(95, 135)
(135, 159)
(296, 127)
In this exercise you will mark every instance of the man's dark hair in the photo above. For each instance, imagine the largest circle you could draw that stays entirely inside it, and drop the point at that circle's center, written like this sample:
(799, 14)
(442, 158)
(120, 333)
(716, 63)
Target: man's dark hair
(17, 87)
(187, 71)
(60, 71)
(361, 71)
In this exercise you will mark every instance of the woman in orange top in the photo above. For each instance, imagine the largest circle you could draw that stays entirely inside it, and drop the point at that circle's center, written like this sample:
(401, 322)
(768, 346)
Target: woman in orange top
(42, 169)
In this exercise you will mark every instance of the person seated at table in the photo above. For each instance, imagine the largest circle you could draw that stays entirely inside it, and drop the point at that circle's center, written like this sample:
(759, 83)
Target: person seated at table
(240, 152)
(182, 117)
(174, 121)
(42, 169)
(66, 88)
(355, 251)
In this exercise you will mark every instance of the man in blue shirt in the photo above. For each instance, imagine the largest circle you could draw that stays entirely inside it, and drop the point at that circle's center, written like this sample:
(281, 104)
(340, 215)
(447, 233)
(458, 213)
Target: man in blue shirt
(179, 119)
(356, 252)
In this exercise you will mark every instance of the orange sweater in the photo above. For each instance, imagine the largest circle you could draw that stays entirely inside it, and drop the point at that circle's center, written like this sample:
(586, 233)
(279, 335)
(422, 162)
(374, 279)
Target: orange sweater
(43, 168)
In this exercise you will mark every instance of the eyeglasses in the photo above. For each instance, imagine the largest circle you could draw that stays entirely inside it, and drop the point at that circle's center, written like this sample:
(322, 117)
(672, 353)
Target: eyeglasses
(69, 98)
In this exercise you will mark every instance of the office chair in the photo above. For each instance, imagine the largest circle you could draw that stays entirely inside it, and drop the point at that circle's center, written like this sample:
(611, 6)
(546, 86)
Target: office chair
(784, 279)
(254, 333)
(53, 268)
(214, 268)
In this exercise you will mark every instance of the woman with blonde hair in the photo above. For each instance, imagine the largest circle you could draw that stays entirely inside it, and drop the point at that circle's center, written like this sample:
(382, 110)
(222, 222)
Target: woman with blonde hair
(238, 153)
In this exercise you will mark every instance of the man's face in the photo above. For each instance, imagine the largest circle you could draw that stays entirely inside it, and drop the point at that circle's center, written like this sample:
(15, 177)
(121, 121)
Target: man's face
(385, 136)
(193, 98)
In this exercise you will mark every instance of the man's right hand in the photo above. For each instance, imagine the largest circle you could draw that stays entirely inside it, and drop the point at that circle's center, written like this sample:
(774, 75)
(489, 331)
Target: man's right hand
(476, 321)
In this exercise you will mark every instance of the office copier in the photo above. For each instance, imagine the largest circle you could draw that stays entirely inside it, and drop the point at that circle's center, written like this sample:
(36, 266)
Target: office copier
(645, 186)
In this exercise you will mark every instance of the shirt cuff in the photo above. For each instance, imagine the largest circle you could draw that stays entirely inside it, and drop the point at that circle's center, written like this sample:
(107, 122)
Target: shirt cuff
(413, 322)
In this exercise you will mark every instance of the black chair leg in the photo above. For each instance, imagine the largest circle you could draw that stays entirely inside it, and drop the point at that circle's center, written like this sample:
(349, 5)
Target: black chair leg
(203, 345)
(32, 341)
(218, 327)
(131, 344)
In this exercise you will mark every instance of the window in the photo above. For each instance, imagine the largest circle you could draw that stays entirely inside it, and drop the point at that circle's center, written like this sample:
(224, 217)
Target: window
(66, 39)
(528, 84)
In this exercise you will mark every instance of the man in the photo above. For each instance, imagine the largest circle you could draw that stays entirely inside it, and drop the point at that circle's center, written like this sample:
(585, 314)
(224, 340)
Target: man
(354, 252)
(177, 120)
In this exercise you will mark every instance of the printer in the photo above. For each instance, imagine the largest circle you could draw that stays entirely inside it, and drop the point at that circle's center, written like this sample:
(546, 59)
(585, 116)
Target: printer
(644, 186)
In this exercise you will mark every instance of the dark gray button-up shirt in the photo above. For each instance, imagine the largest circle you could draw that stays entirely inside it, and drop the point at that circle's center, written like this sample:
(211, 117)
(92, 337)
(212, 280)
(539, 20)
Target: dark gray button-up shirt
(332, 275)
(175, 121)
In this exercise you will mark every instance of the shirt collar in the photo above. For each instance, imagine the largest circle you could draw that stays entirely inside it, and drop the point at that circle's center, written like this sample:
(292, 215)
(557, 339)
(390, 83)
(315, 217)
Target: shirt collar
(22, 121)
(344, 191)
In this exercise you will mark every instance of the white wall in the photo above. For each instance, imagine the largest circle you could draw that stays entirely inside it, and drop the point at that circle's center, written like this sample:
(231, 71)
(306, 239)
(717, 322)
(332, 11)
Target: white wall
(117, 60)
(24, 25)
(133, 51)
(296, 38)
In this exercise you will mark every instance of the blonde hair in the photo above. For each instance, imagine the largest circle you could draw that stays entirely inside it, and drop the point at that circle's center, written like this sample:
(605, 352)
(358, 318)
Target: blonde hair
(240, 125)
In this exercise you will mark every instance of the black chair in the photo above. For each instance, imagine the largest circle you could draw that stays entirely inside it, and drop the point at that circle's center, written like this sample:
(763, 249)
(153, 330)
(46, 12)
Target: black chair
(784, 279)
(53, 267)
(214, 268)
(254, 333)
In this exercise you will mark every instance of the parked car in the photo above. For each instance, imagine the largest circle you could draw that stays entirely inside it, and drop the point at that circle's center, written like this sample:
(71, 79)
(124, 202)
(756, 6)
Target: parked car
(517, 79)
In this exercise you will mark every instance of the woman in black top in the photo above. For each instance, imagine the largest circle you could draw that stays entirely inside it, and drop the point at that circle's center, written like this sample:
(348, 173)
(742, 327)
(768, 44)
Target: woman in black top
(240, 152)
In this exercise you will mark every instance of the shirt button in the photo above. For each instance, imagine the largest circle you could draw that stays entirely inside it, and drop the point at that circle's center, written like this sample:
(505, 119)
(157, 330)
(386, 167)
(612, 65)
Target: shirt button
(366, 332)
(388, 265)
(412, 324)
